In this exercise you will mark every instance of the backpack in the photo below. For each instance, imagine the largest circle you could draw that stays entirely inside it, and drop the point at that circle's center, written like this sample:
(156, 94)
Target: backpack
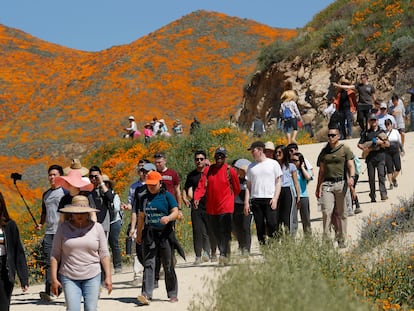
(287, 114)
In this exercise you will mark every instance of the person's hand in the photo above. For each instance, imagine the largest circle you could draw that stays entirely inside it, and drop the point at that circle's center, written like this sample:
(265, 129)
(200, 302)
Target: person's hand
(108, 283)
(180, 216)
(138, 239)
(187, 202)
(131, 232)
(55, 287)
(125, 206)
(38, 227)
(318, 193)
(246, 209)
(165, 220)
(273, 204)
(196, 202)
(298, 202)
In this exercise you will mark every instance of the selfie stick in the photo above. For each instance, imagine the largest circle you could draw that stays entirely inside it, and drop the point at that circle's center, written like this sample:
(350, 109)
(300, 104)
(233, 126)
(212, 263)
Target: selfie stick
(27, 206)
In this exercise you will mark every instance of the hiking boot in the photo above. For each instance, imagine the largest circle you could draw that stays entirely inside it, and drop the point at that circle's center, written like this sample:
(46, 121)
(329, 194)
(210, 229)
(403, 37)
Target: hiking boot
(173, 299)
(358, 210)
(197, 261)
(391, 187)
(46, 297)
(143, 300)
(394, 182)
(223, 261)
(213, 258)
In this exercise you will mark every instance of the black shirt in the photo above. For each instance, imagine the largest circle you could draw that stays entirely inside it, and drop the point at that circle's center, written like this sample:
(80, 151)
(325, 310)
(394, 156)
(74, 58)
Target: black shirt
(193, 178)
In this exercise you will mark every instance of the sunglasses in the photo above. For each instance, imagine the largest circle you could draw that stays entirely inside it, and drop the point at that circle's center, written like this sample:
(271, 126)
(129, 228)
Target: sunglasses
(199, 159)
(93, 176)
(331, 135)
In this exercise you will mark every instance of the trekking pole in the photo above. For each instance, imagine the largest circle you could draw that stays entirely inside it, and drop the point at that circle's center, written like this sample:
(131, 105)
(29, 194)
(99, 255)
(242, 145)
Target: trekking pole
(17, 176)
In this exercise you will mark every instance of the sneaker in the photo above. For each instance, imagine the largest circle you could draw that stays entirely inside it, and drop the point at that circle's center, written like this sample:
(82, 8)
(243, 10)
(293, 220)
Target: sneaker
(46, 297)
(373, 199)
(350, 213)
(197, 261)
(384, 197)
(358, 210)
(213, 258)
(156, 284)
(391, 187)
(118, 270)
(394, 182)
(173, 299)
(205, 257)
(143, 300)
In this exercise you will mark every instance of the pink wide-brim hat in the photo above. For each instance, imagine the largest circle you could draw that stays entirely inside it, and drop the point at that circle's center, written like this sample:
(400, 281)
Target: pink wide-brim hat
(74, 178)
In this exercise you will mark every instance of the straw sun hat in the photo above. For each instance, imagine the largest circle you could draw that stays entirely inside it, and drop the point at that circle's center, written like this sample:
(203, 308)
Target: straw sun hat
(79, 205)
(76, 165)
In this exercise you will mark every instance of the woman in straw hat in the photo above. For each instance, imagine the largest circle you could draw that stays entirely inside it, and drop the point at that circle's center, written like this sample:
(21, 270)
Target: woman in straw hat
(79, 249)
(290, 115)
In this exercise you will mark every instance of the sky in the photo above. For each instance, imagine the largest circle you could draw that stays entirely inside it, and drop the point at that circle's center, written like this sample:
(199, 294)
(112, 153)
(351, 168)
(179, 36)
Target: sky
(94, 25)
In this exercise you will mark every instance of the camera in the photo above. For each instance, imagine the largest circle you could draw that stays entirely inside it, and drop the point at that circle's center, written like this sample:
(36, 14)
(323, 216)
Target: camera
(16, 176)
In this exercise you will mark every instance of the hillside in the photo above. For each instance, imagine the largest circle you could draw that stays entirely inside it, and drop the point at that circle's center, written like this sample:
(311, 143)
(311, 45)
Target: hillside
(56, 103)
(347, 38)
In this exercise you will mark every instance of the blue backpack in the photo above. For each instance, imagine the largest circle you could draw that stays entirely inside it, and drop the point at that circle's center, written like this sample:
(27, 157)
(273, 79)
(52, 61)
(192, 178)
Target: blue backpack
(287, 114)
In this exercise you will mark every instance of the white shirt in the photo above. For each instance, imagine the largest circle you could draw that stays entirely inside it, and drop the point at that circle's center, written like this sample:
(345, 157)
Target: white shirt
(262, 177)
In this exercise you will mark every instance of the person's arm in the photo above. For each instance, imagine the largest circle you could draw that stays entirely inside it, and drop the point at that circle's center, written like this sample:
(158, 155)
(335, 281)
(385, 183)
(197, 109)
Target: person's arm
(171, 217)
(275, 199)
(297, 188)
(351, 170)
(235, 181)
(133, 224)
(55, 284)
(320, 180)
(140, 226)
(344, 86)
(247, 198)
(106, 265)
(42, 216)
(305, 172)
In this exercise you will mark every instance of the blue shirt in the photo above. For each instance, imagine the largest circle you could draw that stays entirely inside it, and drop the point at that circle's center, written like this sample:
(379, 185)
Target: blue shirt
(303, 183)
(156, 206)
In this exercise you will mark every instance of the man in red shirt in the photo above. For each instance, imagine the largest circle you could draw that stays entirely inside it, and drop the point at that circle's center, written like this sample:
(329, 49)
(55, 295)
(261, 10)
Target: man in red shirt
(220, 185)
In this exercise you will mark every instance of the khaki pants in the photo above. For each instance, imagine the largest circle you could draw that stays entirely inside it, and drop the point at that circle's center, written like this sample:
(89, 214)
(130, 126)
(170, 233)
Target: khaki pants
(333, 208)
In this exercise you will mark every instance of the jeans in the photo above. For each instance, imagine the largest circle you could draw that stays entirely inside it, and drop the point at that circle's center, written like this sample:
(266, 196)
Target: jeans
(47, 249)
(76, 289)
(200, 224)
(221, 226)
(6, 287)
(264, 217)
(114, 244)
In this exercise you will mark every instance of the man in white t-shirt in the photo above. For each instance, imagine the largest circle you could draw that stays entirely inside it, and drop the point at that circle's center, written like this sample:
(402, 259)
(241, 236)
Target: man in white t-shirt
(263, 190)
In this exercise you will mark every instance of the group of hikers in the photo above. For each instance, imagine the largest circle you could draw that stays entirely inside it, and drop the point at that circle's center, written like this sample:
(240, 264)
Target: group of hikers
(157, 127)
(82, 215)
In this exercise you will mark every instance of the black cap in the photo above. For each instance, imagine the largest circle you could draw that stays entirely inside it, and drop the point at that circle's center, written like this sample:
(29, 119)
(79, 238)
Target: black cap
(221, 150)
(257, 144)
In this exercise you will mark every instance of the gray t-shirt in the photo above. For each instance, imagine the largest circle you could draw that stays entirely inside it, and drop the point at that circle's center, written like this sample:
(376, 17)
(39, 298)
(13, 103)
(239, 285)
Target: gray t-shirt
(50, 204)
(365, 92)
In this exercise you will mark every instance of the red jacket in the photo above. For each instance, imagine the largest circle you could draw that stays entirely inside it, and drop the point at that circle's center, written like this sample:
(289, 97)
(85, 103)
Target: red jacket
(351, 97)
(215, 184)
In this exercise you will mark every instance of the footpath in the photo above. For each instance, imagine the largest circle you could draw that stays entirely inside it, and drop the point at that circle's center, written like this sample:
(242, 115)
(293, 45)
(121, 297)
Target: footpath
(194, 280)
